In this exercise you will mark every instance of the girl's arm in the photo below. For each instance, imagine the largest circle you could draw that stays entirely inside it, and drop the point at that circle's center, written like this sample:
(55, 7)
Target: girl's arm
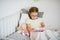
(20, 28)
(29, 27)
(42, 24)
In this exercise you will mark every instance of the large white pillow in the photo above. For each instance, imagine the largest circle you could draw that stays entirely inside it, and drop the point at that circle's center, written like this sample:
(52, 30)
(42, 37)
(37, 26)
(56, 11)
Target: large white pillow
(22, 21)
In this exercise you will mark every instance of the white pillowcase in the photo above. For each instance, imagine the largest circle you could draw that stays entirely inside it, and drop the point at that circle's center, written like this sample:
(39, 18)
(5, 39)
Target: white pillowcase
(24, 16)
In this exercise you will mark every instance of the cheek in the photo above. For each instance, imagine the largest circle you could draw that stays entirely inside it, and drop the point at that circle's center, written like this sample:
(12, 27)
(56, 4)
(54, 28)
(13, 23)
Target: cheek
(36, 14)
(31, 15)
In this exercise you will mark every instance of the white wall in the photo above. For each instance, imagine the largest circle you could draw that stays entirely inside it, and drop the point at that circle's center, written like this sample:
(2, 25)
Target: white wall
(51, 9)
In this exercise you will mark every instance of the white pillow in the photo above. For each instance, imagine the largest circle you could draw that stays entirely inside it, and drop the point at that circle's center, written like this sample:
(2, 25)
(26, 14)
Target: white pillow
(24, 16)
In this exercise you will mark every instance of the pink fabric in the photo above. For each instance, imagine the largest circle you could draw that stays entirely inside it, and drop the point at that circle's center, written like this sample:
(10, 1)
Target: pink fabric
(38, 30)
(26, 31)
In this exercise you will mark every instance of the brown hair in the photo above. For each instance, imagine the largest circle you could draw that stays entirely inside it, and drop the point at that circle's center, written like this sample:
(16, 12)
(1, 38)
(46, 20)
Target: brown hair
(32, 9)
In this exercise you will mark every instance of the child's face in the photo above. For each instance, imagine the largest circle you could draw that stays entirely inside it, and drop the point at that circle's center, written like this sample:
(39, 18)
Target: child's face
(34, 15)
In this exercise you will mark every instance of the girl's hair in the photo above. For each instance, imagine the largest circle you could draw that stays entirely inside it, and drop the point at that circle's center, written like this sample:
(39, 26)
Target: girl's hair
(32, 9)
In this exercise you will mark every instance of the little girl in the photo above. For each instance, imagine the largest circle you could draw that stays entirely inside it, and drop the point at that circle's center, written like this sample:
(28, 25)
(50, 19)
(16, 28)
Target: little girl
(36, 26)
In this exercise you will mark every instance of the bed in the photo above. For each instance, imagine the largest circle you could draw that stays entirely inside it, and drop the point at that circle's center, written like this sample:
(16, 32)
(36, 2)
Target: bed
(19, 36)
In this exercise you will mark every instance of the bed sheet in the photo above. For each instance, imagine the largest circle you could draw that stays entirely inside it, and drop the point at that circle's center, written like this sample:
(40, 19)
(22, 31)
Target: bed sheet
(16, 36)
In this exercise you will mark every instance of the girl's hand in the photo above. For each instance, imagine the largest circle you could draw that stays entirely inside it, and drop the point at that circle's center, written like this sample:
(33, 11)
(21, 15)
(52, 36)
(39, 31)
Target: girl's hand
(29, 28)
(42, 24)
(20, 28)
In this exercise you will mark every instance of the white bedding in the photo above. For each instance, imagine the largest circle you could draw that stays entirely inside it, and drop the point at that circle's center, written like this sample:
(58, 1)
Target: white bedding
(46, 35)
(16, 36)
